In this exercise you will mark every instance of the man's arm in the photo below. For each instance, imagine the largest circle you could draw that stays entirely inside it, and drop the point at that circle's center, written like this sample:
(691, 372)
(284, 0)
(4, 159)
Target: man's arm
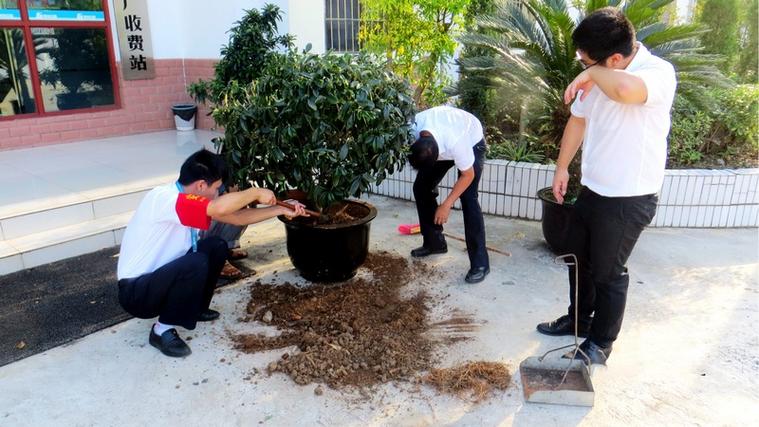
(230, 203)
(254, 215)
(466, 178)
(574, 132)
(619, 85)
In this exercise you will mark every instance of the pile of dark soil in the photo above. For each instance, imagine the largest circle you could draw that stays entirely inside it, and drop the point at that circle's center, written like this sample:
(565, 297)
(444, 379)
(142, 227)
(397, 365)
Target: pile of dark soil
(473, 380)
(342, 213)
(337, 213)
(357, 333)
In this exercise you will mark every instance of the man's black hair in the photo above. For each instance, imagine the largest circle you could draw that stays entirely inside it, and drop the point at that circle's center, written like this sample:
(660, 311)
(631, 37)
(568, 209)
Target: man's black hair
(603, 33)
(424, 152)
(203, 165)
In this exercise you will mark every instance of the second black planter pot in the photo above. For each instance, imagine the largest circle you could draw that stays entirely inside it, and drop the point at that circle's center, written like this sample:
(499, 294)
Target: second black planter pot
(555, 221)
(329, 253)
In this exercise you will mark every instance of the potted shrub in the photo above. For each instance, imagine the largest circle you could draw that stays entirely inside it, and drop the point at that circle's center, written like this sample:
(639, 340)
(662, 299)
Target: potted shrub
(330, 126)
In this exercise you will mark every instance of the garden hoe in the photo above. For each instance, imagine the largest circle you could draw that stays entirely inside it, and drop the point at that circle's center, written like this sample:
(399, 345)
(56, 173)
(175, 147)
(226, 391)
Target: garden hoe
(554, 381)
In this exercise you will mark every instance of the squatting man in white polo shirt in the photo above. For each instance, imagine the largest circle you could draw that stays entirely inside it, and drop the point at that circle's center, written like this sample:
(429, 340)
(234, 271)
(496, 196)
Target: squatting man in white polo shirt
(622, 103)
(164, 270)
(446, 136)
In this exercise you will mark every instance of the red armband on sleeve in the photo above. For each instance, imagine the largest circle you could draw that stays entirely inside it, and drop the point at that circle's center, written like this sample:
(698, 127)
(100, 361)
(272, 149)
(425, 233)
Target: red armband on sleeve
(191, 210)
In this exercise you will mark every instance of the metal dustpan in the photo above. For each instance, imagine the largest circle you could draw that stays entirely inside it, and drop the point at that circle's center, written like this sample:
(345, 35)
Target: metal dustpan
(562, 381)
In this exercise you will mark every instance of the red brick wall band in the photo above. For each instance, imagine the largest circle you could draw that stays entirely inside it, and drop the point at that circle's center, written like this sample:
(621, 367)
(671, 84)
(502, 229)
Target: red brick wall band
(145, 107)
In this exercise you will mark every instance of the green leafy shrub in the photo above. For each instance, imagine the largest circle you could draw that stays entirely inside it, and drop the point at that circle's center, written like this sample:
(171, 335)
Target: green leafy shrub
(252, 39)
(330, 125)
(738, 113)
(524, 150)
(691, 127)
(724, 135)
(418, 39)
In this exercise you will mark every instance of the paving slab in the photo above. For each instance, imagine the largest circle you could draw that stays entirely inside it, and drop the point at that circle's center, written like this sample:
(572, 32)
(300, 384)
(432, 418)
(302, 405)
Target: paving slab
(687, 354)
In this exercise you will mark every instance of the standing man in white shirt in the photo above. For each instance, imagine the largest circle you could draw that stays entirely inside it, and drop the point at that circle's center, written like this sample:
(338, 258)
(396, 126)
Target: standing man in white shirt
(164, 269)
(621, 109)
(447, 136)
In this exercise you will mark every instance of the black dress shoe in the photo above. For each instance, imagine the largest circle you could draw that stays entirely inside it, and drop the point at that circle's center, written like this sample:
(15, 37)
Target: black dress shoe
(424, 251)
(169, 343)
(477, 274)
(598, 355)
(208, 315)
(564, 325)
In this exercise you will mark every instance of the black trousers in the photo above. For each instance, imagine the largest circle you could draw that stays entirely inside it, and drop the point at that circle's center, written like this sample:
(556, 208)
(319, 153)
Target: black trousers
(178, 291)
(426, 192)
(602, 235)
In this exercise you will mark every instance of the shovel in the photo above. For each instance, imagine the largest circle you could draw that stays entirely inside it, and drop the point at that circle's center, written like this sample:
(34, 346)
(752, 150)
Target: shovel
(557, 381)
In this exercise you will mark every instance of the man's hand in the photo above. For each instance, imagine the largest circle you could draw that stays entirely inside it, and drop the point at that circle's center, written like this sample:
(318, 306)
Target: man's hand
(266, 197)
(560, 182)
(442, 213)
(299, 209)
(583, 82)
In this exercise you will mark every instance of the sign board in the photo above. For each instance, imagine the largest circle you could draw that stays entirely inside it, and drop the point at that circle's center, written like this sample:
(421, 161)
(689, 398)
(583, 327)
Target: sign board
(10, 14)
(133, 28)
(65, 15)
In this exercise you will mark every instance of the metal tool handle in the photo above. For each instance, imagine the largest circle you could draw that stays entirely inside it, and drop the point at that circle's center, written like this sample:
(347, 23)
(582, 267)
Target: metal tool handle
(561, 259)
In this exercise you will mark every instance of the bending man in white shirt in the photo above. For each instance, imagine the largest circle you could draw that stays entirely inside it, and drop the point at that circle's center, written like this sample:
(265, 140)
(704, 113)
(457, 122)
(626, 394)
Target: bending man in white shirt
(621, 111)
(447, 136)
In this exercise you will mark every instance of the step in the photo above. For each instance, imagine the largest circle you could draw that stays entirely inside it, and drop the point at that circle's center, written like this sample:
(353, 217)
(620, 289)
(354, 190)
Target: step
(50, 214)
(63, 242)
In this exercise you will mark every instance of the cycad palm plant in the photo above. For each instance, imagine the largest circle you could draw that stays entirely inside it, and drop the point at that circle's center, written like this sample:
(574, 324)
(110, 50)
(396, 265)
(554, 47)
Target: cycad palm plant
(532, 59)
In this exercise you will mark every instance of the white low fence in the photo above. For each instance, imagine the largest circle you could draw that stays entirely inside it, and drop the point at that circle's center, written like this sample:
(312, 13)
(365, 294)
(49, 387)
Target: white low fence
(689, 197)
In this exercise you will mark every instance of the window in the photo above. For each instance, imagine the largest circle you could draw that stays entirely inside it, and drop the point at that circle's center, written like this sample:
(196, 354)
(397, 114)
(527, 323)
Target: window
(342, 19)
(55, 56)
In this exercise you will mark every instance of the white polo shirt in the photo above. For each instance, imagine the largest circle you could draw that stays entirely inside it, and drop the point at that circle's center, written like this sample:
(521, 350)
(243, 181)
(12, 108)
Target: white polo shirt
(625, 147)
(159, 232)
(456, 132)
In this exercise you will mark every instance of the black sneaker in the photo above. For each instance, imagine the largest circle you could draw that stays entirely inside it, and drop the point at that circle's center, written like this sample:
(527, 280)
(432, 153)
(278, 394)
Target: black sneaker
(564, 325)
(598, 355)
(169, 343)
(208, 315)
(477, 274)
(424, 251)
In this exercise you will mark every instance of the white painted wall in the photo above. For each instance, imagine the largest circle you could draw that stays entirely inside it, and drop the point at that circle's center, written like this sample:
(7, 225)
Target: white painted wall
(197, 29)
(306, 23)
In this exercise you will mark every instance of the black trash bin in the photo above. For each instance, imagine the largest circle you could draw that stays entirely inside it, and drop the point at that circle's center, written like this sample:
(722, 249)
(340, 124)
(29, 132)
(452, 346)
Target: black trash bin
(184, 116)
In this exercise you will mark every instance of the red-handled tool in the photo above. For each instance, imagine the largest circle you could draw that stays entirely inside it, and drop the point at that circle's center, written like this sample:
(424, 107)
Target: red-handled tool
(309, 212)
(409, 229)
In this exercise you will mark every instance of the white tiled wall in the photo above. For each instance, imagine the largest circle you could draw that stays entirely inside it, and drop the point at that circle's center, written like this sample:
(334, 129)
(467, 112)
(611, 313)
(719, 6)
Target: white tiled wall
(688, 198)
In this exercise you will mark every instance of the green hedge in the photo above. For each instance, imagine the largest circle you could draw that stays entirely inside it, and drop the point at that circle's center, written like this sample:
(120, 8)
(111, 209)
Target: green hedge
(727, 136)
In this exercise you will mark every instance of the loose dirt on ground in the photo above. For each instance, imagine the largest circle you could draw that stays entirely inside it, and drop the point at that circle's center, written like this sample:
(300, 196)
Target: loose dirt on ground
(361, 332)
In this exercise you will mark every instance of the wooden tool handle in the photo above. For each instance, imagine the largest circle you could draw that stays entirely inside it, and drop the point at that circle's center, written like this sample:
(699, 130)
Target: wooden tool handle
(488, 247)
(310, 212)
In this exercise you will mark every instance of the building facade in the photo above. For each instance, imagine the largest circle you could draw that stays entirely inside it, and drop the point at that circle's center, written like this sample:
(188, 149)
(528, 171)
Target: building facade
(62, 62)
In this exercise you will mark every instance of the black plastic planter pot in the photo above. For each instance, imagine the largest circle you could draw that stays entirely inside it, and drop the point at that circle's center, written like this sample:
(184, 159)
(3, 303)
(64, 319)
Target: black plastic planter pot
(555, 221)
(329, 253)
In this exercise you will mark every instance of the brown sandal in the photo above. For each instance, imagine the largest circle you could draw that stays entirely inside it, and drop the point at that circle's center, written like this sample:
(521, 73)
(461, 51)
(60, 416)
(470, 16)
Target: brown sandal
(230, 272)
(235, 254)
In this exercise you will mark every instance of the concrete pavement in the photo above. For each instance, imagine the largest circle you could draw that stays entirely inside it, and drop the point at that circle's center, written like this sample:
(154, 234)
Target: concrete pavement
(688, 352)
